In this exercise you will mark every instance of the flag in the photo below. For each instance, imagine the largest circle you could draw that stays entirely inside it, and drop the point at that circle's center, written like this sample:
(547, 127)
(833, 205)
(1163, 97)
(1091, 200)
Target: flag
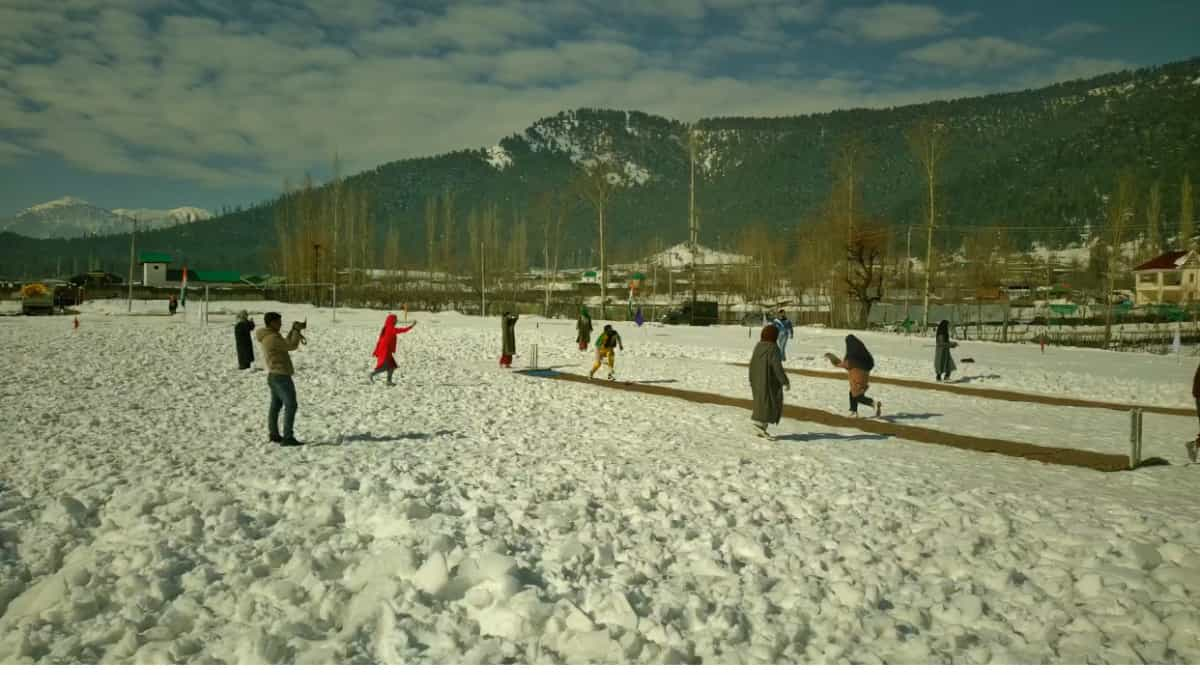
(183, 289)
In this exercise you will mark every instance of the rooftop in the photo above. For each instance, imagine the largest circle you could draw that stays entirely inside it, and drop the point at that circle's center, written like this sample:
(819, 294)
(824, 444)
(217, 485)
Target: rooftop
(1171, 260)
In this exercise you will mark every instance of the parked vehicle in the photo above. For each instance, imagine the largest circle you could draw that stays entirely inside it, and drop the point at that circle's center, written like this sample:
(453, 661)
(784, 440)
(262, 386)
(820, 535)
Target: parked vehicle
(36, 299)
(703, 313)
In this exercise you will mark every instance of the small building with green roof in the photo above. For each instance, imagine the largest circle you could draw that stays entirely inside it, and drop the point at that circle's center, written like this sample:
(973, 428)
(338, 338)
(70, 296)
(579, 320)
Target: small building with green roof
(154, 268)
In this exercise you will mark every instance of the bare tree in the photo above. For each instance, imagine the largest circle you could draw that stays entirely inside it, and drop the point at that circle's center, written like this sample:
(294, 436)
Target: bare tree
(431, 232)
(848, 164)
(1121, 208)
(448, 235)
(597, 184)
(551, 210)
(866, 267)
(518, 253)
(817, 256)
(391, 254)
(928, 143)
(1153, 240)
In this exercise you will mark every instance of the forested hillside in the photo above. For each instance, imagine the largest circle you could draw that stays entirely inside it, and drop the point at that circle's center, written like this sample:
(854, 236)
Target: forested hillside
(1042, 158)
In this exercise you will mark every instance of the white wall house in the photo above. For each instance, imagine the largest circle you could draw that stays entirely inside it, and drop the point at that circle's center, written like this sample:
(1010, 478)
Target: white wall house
(1173, 277)
(154, 268)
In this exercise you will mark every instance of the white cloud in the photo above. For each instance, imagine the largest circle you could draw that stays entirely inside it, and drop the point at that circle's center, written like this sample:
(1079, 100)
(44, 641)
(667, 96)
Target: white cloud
(190, 96)
(1075, 30)
(981, 53)
(893, 22)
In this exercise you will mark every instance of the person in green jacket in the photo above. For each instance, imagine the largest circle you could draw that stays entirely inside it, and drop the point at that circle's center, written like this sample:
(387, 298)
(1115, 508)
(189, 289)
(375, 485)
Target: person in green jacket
(606, 346)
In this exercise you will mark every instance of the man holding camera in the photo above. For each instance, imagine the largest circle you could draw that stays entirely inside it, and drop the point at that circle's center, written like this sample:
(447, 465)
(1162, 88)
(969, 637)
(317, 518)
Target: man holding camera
(279, 375)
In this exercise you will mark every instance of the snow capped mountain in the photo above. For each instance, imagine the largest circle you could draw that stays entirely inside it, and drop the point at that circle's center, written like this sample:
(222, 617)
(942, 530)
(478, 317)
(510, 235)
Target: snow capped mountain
(165, 217)
(70, 217)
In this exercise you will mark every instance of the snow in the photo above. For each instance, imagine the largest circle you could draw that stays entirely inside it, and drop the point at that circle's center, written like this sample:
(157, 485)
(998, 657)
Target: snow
(477, 515)
(182, 214)
(679, 256)
(55, 204)
(498, 158)
(635, 175)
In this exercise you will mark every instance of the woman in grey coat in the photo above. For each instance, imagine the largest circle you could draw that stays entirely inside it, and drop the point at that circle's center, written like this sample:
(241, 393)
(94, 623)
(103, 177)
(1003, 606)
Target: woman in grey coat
(943, 363)
(767, 381)
(508, 341)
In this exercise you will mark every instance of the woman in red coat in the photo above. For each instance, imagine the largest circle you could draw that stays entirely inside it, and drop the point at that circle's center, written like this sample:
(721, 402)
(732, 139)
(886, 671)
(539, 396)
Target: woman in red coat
(386, 347)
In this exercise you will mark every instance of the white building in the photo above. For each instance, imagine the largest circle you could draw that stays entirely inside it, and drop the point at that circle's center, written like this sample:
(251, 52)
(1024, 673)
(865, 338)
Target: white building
(154, 268)
(1173, 277)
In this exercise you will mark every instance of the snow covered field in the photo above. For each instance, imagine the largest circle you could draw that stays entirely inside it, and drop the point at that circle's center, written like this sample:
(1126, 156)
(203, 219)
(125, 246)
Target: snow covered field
(475, 515)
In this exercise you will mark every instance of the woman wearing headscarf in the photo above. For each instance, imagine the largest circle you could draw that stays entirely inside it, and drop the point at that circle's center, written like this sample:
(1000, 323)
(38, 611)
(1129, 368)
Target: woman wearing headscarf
(943, 363)
(858, 363)
(767, 381)
(385, 347)
(241, 337)
(583, 329)
(508, 339)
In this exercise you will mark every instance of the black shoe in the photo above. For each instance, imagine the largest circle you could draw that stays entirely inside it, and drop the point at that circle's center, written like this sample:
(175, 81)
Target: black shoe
(276, 438)
(290, 442)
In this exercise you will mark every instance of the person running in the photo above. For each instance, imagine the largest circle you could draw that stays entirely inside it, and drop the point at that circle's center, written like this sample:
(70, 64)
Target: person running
(767, 380)
(385, 347)
(241, 337)
(1194, 449)
(858, 363)
(606, 346)
(943, 363)
(786, 332)
(508, 339)
(583, 329)
(279, 376)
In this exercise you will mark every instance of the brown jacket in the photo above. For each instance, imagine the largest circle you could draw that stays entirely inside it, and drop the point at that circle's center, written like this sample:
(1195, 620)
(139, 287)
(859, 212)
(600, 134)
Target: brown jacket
(276, 347)
(860, 380)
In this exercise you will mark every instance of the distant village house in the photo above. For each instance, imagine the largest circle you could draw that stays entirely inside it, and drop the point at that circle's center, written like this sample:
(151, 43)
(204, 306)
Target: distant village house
(1173, 277)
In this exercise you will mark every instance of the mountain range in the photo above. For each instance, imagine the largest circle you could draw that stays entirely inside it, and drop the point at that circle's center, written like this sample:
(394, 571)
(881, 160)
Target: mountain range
(1039, 163)
(70, 217)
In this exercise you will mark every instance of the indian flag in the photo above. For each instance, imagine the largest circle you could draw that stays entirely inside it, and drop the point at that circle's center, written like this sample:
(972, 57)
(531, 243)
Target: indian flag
(183, 289)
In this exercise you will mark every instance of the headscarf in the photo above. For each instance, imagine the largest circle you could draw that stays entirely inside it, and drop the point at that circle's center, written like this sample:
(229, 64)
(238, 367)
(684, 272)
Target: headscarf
(243, 315)
(857, 355)
(943, 328)
(770, 333)
(584, 312)
(387, 338)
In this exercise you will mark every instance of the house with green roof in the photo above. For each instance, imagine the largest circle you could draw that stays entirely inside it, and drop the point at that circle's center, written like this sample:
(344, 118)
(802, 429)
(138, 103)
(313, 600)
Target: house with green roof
(156, 271)
(154, 268)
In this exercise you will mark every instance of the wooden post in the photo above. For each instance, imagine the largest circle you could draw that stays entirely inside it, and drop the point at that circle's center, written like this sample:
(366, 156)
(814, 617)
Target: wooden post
(1135, 438)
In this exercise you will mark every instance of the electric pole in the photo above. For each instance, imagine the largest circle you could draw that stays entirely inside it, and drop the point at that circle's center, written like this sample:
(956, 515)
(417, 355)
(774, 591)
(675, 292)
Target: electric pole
(907, 268)
(316, 267)
(132, 236)
(693, 226)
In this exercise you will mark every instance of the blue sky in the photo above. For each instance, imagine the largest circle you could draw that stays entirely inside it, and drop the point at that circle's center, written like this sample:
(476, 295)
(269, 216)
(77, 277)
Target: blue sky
(161, 103)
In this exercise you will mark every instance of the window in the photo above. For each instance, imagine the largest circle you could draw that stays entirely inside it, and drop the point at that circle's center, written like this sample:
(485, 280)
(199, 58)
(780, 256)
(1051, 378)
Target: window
(1172, 278)
(1148, 278)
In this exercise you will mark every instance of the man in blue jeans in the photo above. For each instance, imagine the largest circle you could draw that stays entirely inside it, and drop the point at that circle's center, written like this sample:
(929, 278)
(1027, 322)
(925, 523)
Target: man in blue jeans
(279, 375)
